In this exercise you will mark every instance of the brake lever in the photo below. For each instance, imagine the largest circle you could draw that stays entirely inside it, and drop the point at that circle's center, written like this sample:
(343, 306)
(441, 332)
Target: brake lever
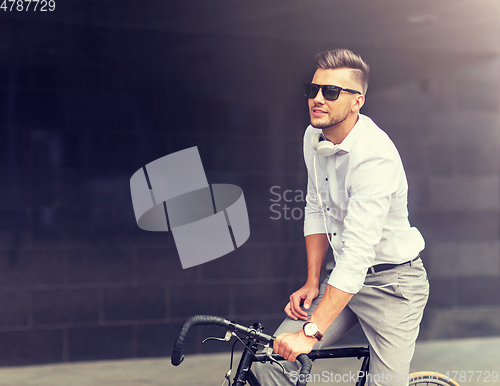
(226, 338)
(269, 354)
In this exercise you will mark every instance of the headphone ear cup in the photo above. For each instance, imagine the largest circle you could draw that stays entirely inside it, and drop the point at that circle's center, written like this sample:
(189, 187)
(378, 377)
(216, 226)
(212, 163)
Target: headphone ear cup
(326, 148)
(323, 148)
(315, 141)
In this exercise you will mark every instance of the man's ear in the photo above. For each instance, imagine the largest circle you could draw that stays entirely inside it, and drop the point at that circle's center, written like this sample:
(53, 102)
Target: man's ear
(360, 101)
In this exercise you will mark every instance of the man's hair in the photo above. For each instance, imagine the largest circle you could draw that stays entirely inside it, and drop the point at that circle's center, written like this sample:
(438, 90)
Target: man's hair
(342, 58)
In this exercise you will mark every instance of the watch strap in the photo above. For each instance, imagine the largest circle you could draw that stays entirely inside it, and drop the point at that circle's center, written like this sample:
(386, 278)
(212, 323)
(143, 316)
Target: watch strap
(318, 335)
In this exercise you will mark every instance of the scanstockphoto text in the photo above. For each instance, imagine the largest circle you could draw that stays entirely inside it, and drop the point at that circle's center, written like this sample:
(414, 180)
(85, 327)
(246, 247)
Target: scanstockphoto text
(286, 204)
(289, 204)
(478, 376)
(350, 377)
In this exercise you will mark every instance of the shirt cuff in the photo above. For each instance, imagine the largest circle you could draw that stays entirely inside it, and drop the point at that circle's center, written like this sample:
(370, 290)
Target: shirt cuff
(314, 226)
(350, 282)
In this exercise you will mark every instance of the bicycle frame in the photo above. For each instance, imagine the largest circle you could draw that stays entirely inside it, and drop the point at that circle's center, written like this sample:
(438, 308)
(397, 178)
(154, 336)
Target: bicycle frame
(244, 372)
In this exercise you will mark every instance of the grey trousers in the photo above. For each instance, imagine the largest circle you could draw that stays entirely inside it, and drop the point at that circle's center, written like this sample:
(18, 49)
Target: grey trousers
(389, 309)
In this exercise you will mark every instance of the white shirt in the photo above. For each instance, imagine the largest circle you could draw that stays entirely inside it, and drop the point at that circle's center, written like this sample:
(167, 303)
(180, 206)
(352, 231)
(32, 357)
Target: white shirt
(364, 191)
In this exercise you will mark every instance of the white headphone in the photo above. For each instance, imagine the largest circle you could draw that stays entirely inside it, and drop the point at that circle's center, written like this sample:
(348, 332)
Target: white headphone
(322, 146)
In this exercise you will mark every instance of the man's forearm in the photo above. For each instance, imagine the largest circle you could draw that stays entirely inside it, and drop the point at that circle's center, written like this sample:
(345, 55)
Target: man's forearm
(316, 247)
(332, 303)
(301, 300)
(334, 300)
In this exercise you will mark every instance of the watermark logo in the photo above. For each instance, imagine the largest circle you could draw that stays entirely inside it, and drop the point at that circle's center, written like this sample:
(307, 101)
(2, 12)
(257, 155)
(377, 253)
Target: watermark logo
(207, 221)
(286, 203)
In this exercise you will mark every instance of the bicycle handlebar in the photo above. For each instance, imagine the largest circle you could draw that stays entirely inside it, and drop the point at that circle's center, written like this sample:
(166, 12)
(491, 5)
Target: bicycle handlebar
(178, 356)
(305, 370)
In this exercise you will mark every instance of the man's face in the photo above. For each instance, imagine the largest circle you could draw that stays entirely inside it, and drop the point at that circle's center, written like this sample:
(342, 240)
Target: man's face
(324, 113)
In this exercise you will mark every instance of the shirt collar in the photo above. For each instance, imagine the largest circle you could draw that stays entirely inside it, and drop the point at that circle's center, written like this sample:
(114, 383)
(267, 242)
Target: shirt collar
(356, 132)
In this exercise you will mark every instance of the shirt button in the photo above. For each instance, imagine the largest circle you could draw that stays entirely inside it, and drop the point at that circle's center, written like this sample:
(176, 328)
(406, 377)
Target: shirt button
(326, 178)
(327, 208)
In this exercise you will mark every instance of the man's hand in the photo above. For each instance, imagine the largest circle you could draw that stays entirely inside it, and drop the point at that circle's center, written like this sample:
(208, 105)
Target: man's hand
(291, 345)
(304, 295)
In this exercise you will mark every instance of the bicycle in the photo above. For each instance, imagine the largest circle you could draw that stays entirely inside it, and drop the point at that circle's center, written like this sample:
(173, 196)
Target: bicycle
(256, 339)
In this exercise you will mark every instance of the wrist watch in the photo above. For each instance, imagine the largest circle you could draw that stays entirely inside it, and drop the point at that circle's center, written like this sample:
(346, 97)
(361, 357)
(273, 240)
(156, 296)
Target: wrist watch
(311, 329)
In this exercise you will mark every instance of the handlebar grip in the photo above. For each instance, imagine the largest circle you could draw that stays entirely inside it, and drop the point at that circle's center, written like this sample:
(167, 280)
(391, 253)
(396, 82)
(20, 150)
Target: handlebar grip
(306, 363)
(177, 355)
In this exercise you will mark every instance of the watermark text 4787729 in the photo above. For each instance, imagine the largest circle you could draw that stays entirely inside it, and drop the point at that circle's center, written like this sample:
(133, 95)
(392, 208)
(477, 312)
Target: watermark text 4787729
(28, 5)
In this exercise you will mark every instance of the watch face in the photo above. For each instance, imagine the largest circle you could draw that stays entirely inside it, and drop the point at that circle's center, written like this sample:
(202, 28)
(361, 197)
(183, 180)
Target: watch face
(310, 329)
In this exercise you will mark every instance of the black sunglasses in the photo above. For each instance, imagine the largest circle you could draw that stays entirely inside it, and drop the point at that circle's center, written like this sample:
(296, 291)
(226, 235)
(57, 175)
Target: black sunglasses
(330, 93)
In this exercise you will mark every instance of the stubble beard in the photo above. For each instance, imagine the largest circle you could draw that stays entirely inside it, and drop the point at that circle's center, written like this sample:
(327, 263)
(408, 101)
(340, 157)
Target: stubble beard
(332, 122)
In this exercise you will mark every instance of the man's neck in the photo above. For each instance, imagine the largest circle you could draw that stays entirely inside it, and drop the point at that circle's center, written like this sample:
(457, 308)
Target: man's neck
(336, 134)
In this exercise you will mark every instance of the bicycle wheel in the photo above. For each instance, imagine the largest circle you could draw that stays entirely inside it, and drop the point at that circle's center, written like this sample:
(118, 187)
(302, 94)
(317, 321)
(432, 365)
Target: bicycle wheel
(425, 378)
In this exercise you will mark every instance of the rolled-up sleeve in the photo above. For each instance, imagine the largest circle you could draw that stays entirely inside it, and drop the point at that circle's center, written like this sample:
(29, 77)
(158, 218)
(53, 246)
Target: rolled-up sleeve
(314, 222)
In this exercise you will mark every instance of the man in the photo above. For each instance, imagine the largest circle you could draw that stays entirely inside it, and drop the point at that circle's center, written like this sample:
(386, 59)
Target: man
(356, 202)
